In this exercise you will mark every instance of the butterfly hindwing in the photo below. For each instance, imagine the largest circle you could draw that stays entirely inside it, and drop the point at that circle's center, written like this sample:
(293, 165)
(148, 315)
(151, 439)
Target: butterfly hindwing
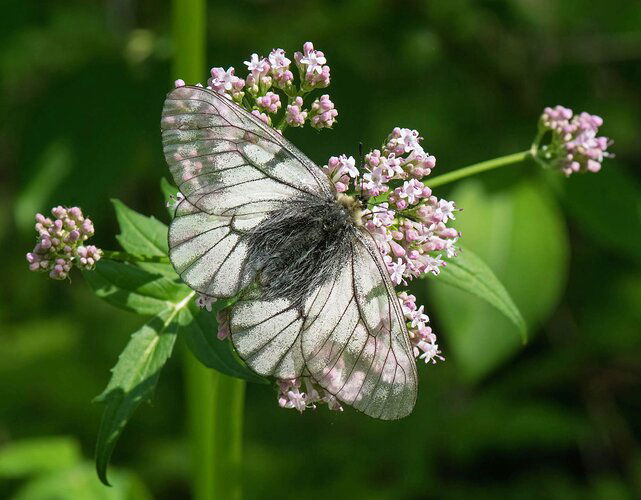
(350, 336)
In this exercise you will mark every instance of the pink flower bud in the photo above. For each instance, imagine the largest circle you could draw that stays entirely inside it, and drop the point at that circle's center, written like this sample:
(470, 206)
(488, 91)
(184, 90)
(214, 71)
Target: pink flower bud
(397, 249)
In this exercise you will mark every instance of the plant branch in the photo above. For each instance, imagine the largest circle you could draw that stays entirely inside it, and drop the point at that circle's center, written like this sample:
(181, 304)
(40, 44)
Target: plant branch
(477, 168)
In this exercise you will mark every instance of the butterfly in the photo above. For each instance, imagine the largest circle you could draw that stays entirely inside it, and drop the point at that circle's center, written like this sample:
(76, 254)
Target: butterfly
(261, 222)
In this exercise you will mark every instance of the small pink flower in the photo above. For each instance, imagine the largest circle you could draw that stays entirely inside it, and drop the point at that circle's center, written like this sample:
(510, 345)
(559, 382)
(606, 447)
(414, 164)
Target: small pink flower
(323, 114)
(262, 116)
(574, 145)
(270, 102)
(295, 115)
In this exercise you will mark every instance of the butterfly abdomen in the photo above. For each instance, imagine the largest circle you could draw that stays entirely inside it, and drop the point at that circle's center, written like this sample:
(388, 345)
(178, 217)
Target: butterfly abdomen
(299, 247)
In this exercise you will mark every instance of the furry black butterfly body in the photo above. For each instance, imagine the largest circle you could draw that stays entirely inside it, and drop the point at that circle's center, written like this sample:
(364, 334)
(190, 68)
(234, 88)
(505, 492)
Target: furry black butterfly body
(299, 248)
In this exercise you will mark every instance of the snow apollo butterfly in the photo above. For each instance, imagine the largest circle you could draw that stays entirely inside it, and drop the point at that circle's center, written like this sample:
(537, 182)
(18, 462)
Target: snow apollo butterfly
(261, 223)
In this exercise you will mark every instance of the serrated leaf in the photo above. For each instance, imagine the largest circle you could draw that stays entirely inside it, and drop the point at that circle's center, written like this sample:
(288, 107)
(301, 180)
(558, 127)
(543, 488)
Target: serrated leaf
(140, 234)
(133, 380)
(38, 455)
(134, 289)
(199, 329)
(468, 272)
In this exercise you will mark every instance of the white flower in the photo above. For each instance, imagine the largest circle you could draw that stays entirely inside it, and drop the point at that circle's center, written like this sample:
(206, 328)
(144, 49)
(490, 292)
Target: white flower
(223, 79)
(278, 60)
(411, 190)
(408, 139)
(392, 165)
(375, 180)
(205, 302)
(446, 210)
(257, 65)
(450, 248)
(397, 270)
(347, 166)
(296, 399)
(433, 264)
(419, 318)
(314, 61)
(430, 352)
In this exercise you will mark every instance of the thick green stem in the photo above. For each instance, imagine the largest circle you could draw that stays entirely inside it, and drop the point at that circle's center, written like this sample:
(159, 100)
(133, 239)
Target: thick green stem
(477, 168)
(214, 401)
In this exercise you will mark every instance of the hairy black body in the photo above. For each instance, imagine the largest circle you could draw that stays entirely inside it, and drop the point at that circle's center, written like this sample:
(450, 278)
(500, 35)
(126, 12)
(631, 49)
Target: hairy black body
(299, 247)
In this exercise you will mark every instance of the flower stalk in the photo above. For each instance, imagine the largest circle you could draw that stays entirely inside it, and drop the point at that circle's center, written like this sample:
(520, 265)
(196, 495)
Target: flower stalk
(477, 168)
(214, 401)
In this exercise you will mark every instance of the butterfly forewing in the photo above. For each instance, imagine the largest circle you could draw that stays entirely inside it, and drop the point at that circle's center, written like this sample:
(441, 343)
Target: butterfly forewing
(235, 173)
(225, 161)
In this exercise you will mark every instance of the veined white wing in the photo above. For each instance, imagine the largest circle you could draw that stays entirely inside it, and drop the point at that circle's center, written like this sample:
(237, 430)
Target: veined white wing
(349, 336)
(233, 171)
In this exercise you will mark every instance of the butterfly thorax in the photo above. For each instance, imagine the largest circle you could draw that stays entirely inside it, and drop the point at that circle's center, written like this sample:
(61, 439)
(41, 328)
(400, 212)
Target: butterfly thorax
(299, 247)
(353, 205)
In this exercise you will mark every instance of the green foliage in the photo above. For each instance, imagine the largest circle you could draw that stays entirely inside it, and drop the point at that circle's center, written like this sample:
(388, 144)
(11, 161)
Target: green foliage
(531, 263)
(133, 380)
(469, 273)
(53, 468)
(131, 288)
(151, 289)
(83, 85)
(37, 456)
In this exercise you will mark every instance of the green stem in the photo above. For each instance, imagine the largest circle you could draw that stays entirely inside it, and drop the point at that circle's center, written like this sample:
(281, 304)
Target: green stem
(133, 258)
(214, 401)
(477, 168)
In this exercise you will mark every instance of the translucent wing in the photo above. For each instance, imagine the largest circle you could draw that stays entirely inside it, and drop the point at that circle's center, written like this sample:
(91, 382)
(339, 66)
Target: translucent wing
(233, 171)
(350, 336)
(226, 161)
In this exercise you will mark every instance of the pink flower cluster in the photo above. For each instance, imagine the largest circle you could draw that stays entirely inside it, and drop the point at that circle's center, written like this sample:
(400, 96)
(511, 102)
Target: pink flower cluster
(574, 145)
(291, 396)
(311, 65)
(422, 337)
(408, 223)
(60, 243)
(270, 81)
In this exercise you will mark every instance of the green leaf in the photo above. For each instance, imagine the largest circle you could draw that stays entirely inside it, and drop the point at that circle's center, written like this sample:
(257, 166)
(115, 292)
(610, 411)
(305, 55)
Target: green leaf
(199, 330)
(37, 456)
(468, 272)
(519, 232)
(80, 482)
(142, 235)
(133, 380)
(134, 289)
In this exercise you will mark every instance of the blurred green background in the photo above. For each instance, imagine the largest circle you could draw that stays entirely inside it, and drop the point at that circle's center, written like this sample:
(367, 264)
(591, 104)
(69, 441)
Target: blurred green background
(82, 87)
